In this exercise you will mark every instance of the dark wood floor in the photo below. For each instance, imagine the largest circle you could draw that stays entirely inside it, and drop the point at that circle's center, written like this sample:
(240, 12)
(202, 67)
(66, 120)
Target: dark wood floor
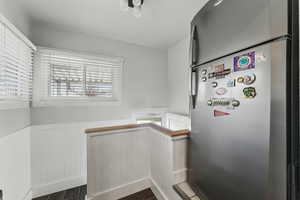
(79, 193)
(143, 195)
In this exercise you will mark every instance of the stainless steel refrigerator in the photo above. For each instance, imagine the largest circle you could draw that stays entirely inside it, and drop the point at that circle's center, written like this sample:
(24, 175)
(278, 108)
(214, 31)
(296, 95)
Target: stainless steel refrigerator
(244, 143)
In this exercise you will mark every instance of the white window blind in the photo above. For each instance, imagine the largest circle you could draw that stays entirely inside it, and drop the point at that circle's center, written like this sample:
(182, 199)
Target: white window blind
(70, 76)
(15, 67)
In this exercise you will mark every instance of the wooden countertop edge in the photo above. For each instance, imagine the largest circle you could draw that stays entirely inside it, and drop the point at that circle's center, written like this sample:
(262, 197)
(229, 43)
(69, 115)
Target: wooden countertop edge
(133, 126)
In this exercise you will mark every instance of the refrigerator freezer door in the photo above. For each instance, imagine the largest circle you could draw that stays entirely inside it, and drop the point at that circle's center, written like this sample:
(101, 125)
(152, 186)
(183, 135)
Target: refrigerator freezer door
(236, 24)
(234, 153)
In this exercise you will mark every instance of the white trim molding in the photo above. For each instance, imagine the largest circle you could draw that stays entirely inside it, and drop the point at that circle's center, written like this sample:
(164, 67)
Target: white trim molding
(18, 33)
(56, 186)
(122, 191)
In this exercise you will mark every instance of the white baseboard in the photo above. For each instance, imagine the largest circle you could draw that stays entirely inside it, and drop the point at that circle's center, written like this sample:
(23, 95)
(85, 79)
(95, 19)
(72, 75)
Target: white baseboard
(38, 191)
(159, 194)
(28, 195)
(180, 176)
(112, 194)
(122, 191)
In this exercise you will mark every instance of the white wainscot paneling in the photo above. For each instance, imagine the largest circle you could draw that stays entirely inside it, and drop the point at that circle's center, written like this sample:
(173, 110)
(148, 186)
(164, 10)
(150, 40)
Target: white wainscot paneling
(121, 163)
(59, 159)
(180, 146)
(15, 165)
(116, 162)
(161, 162)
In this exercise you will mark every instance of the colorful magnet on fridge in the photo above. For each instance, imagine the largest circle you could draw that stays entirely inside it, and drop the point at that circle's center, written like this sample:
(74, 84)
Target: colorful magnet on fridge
(214, 84)
(231, 83)
(249, 92)
(240, 79)
(222, 74)
(244, 62)
(218, 113)
(221, 91)
(249, 79)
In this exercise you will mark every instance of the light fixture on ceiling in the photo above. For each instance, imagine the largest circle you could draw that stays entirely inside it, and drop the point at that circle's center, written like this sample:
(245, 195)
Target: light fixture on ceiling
(134, 5)
(218, 2)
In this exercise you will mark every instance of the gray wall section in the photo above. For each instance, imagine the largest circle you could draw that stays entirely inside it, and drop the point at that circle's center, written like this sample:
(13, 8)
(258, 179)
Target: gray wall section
(13, 120)
(178, 77)
(16, 15)
(144, 76)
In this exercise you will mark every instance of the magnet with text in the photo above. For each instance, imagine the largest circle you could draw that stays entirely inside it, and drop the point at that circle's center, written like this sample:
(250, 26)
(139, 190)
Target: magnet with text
(222, 74)
(218, 113)
(221, 91)
(249, 92)
(244, 62)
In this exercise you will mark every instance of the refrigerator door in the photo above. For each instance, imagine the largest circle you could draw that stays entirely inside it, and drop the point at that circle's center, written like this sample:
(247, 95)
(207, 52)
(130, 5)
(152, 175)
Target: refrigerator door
(234, 25)
(237, 146)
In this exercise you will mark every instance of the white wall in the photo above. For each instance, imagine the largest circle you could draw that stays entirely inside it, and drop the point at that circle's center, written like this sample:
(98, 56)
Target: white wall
(178, 77)
(58, 132)
(58, 155)
(15, 168)
(144, 76)
(124, 162)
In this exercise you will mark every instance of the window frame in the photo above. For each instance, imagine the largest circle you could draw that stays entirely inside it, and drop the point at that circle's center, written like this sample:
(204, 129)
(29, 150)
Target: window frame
(41, 79)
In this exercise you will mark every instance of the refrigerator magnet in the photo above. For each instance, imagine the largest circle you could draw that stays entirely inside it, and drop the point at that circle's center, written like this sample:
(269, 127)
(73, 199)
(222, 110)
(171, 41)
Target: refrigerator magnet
(249, 79)
(244, 62)
(249, 92)
(214, 84)
(231, 83)
(221, 91)
(219, 68)
(218, 113)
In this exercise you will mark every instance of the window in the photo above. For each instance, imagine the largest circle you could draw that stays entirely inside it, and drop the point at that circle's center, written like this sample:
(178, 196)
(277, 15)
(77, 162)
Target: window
(65, 78)
(150, 116)
(15, 68)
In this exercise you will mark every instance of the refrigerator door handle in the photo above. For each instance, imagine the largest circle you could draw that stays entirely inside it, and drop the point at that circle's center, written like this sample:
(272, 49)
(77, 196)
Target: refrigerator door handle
(194, 47)
(194, 88)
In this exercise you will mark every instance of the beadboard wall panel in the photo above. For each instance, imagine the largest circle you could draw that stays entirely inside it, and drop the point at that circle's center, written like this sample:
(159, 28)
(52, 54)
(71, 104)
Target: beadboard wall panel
(59, 159)
(15, 180)
(119, 159)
